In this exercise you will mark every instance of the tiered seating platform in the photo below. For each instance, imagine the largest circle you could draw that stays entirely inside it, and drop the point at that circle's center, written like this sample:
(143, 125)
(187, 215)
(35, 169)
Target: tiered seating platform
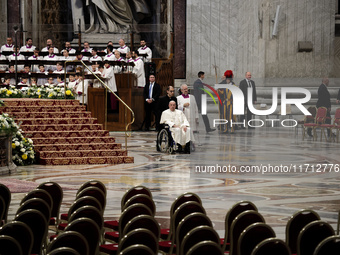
(64, 133)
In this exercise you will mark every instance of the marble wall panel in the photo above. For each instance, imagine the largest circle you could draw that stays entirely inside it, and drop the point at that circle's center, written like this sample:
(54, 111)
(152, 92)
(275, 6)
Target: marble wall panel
(245, 43)
(179, 39)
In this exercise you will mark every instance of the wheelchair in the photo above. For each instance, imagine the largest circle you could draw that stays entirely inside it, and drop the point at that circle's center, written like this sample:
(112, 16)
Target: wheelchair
(165, 142)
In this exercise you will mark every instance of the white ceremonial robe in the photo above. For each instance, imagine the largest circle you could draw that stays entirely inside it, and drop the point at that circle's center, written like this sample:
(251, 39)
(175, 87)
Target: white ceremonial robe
(190, 112)
(177, 118)
(27, 48)
(42, 81)
(7, 47)
(110, 57)
(79, 88)
(139, 71)
(70, 51)
(11, 58)
(145, 50)
(35, 68)
(3, 67)
(55, 50)
(95, 82)
(96, 59)
(71, 85)
(51, 58)
(124, 49)
(110, 79)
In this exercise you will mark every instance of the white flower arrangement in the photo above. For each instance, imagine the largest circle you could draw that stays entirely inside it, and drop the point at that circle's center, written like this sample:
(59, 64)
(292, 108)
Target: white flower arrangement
(22, 148)
(50, 92)
(11, 92)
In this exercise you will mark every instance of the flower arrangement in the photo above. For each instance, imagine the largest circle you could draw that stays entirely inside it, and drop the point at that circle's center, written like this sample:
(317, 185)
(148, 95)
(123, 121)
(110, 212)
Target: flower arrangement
(8, 125)
(11, 92)
(22, 148)
(50, 92)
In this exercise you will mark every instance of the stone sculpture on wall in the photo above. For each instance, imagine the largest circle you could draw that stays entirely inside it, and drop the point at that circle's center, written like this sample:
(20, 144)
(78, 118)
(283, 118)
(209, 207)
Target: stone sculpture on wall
(108, 16)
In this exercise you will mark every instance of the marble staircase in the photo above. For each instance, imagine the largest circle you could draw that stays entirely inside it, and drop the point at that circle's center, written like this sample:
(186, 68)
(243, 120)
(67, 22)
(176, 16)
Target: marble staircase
(64, 133)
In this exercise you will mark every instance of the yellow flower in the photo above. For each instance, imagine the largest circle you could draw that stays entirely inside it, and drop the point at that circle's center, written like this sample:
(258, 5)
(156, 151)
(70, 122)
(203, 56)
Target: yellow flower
(39, 96)
(50, 95)
(68, 92)
(13, 145)
(9, 92)
(24, 156)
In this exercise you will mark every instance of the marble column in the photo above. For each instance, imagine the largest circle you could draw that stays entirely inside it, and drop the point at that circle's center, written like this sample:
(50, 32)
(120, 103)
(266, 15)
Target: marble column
(13, 16)
(179, 16)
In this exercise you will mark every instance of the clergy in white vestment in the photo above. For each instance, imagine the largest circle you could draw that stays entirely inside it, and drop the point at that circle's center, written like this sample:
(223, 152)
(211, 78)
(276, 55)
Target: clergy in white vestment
(139, 69)
(178, 123)
(187, 104)
(109, 76)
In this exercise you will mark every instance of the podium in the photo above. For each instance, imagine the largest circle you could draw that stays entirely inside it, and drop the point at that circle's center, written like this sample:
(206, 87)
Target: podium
(129, 93)
(96, 103)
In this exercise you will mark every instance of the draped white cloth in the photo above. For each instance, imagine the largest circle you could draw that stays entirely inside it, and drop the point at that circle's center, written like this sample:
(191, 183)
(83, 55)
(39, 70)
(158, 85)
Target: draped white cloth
(177, 118)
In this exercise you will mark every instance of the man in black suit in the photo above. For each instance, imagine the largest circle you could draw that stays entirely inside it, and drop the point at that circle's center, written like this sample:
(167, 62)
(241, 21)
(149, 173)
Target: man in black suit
(152, 91)
(198, 86)
(163, 103)
(244, 85)
(324, 100)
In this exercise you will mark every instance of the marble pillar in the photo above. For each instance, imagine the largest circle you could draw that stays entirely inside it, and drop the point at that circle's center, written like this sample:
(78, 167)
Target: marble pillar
(179, 11)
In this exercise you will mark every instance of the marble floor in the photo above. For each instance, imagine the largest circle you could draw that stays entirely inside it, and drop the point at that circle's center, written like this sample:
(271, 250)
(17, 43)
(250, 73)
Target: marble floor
(300, 174)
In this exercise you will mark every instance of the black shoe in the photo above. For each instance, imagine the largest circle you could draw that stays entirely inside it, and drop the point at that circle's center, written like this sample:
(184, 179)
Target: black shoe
(211, 130)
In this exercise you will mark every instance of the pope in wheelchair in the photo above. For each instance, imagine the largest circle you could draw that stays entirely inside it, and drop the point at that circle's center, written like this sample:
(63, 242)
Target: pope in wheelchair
(176, 134)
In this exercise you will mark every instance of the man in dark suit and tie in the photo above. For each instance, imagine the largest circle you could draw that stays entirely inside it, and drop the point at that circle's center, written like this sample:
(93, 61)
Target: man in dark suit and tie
(324, 100)
(198, 86)
(152, 91)
(244, 85)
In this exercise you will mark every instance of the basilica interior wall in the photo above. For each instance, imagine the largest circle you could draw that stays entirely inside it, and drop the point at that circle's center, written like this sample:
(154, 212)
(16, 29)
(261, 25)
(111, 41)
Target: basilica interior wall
(237, 35)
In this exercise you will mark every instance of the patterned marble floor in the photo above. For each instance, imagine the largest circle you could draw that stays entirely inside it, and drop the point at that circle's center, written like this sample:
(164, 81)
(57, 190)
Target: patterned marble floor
(277, 194)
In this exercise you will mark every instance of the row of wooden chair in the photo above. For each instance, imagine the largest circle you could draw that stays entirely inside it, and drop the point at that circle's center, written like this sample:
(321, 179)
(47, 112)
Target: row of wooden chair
(318, 121)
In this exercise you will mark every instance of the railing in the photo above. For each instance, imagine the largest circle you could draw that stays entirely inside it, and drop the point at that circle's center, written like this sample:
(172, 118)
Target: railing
(105, 86)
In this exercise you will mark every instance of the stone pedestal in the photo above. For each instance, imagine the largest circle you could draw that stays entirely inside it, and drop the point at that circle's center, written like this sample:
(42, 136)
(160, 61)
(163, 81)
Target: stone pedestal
(6, 163)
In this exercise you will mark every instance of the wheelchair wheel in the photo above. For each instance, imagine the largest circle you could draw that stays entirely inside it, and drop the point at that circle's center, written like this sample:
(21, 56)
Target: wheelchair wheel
(163, 140)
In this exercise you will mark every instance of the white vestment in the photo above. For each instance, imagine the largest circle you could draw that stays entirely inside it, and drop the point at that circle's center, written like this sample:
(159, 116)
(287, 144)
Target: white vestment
(3, 67)
(145, 50)
(139, 71)
(177, 118)
(110, 79)
(191, 112)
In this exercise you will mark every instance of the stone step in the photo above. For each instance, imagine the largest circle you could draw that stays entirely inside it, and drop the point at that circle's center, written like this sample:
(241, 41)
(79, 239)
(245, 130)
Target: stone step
(63, 127)
(67, 108)
(81, 153)
(86, 160)
(67, 134)
(42, 115)
(83, 146)
(72, 140)
(56, 121)
(39, 102)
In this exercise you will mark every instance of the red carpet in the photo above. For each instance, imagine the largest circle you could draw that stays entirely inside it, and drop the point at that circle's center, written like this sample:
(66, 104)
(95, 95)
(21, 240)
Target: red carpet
(64, 133)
